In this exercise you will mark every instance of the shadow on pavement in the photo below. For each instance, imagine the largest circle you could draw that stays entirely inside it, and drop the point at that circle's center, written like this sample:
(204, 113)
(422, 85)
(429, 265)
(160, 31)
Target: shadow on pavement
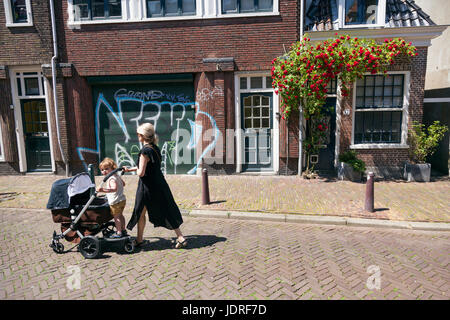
(194, 242)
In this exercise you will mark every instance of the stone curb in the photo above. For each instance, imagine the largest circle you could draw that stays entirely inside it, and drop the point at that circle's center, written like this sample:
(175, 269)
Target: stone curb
(327, 220)
(298, 218)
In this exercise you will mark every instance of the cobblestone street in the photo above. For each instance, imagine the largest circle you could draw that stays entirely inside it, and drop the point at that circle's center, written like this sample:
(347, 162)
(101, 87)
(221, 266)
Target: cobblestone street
(228, 259)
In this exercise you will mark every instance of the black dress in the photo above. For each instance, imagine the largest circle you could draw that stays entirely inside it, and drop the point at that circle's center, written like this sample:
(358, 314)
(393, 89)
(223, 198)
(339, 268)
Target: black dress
(154, 193)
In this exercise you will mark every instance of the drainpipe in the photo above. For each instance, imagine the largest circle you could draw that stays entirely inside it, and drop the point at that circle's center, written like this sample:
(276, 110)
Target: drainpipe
(55, 99)
(300, 108)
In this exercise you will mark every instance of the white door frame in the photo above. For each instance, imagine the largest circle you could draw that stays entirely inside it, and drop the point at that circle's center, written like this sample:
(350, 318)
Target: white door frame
(18, 113)
(238, 117)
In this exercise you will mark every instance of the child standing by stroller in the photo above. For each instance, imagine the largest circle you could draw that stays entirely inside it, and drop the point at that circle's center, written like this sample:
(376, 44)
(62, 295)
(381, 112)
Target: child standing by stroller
(116, 198)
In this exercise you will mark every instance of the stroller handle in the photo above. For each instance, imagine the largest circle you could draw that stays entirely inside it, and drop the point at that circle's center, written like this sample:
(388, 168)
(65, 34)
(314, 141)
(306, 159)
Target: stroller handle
(111, 173)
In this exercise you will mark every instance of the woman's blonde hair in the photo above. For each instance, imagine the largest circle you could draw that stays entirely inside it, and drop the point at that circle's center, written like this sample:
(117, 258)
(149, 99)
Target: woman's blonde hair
(107, 163)
(147, 130)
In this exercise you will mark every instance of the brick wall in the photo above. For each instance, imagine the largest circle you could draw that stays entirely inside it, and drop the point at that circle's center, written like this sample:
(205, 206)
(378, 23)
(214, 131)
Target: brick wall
(390, 161)
(160, 47)
(27, 45)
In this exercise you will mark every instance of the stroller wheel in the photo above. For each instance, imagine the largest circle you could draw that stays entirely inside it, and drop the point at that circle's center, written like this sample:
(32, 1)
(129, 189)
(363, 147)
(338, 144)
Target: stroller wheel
(128, 246)
(58, 247)
(89, 247)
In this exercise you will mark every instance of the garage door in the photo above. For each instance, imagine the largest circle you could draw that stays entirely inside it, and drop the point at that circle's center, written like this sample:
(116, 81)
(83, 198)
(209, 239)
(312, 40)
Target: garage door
(168, 104)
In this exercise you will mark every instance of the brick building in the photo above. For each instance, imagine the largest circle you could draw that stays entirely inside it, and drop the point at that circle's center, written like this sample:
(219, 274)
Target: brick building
(200, 71)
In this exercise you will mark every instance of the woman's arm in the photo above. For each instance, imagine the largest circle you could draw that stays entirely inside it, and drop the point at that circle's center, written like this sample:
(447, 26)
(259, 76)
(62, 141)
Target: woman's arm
(143, 160)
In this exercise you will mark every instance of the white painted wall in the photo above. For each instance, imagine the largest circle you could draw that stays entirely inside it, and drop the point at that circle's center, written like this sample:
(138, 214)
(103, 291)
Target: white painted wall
(438, 64)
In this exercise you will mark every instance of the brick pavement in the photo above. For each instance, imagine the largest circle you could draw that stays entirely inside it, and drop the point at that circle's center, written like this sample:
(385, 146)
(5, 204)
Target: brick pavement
(394, 200)
(228, 259)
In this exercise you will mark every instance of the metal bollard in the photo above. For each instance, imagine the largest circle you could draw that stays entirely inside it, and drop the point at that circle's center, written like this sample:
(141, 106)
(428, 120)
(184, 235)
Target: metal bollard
(369, 206)
(205, 187)
(91, 174)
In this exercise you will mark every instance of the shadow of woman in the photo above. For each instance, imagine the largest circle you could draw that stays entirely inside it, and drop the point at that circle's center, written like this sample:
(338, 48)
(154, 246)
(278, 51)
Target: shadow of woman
(194, 242)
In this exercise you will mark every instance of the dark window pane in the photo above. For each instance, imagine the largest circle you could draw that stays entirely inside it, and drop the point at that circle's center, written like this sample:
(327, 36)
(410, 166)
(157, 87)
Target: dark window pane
(229, 5)
(115, 8)
(371, 92)
(31, 86)
(378, 127)
(19, 87)
(268, 82)
(247, 5)
(189, 6)
(361, 11)
(19, 11)
(265, 5)
(256, 82)
(243, 83)
(171, 7)
(154, 8)
(98, 8)
(81, 9)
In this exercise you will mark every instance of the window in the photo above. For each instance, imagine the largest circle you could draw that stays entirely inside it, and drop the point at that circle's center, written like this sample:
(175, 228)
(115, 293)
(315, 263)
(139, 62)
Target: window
(97, 9)
(360, 11)
(379, 109)
(158, 8)
(18, 13)
(30, 84)
(257, 112)
(243, 6)
(255, 82)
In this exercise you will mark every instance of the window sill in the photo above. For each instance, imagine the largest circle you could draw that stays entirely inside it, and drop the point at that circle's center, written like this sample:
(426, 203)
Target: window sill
(173, 18)
(363, 26)
(14, 25)
(380, 146)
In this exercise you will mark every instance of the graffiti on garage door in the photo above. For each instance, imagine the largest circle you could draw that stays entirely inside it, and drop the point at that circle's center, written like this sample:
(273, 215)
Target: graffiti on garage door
(119, 111)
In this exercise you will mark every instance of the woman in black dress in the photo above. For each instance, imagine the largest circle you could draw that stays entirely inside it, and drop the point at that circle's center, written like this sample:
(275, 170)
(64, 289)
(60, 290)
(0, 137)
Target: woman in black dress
(153, 194)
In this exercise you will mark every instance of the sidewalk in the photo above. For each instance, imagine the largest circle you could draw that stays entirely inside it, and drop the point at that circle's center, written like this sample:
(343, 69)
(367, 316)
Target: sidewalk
(394, 200)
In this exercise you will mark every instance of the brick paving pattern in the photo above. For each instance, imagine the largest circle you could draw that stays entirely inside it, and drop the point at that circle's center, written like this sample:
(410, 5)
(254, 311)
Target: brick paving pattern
(228, 259)
(394, 200)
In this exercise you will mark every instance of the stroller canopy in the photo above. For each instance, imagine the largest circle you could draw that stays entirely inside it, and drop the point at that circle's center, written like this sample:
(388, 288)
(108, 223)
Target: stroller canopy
(64, 189)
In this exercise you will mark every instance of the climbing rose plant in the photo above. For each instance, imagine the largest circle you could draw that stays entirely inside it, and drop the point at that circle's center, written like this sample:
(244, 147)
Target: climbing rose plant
(303, 74)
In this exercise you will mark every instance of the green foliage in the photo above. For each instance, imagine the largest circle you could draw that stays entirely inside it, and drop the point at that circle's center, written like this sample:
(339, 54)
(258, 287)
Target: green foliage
(351, 158)
(424, 143)
(303, 74)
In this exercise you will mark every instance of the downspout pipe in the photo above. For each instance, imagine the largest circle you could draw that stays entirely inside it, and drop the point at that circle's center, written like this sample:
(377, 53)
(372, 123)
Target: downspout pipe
(300, 108)
(55, 99)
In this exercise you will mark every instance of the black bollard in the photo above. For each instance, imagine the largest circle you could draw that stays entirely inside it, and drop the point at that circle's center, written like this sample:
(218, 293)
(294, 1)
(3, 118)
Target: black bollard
(369, 206)
(205, 187)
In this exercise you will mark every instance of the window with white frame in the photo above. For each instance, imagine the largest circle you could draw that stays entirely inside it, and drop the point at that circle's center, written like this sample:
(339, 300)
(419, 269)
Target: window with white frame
(159, 8)
(114, 11)
(361, 13)
(243, 6)
(97, 9)
(380, 106)
(18, 13)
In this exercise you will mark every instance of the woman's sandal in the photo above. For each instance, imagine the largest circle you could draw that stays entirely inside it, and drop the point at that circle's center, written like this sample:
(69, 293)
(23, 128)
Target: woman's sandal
(140, 244)
(181, 244)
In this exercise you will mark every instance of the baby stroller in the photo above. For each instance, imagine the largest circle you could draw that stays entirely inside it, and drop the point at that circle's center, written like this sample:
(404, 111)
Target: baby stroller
(82, 214)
